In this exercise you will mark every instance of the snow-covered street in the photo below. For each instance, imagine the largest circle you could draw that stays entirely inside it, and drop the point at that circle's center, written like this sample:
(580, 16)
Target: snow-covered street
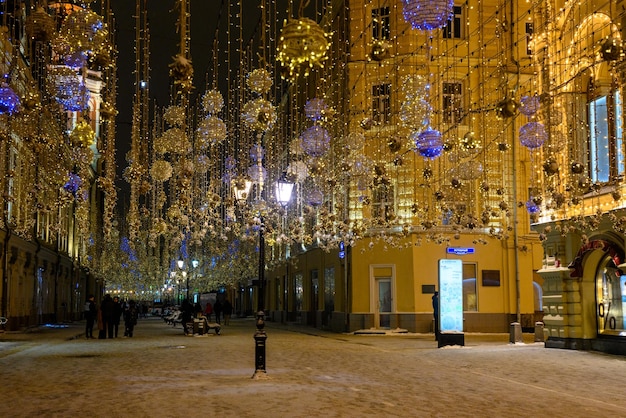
(310, 373)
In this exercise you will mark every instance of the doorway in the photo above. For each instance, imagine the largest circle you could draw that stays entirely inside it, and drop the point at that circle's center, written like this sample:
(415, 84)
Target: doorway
(383, 302)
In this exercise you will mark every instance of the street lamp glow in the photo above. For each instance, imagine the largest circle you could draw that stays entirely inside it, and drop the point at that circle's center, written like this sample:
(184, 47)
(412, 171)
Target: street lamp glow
(180, 264)
(283, 190)
(241, 187)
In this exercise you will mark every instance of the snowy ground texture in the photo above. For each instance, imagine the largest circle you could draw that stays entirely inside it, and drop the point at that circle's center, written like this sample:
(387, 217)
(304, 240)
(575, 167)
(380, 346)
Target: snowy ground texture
(162, 373)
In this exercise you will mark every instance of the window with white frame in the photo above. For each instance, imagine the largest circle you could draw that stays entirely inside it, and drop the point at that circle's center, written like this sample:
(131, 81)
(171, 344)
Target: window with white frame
(452, 95)
(381, 103)
(383, 201)
(606, 154)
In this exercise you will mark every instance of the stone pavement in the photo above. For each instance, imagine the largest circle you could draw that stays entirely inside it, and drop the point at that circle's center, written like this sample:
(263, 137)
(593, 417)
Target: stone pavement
(56, 372)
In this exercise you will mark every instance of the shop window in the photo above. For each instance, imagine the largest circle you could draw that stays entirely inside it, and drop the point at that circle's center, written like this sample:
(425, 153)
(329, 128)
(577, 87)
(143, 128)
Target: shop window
(452, 102)
(381, 103)
(470, 296)
(381, 28)
(606, 156)
(491, 278)
(456, 24)
(611, 299)
(299, 291)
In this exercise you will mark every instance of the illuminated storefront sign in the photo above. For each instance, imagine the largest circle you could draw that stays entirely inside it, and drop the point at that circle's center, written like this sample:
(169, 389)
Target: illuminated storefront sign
(451, 295)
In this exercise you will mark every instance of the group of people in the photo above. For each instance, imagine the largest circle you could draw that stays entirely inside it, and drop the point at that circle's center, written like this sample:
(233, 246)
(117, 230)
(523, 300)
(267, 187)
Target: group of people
(108, 316)
(218, 309)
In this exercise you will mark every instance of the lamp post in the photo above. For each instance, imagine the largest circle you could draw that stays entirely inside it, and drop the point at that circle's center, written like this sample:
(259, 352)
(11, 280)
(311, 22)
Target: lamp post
(241, 188)
(181, 264)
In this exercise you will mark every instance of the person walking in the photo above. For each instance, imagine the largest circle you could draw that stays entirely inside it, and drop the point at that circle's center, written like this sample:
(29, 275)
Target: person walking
(228, 311)
(217, 309)
(208, 311)
(117, 315)
(108, 312)
(130, 318)
(91, 313)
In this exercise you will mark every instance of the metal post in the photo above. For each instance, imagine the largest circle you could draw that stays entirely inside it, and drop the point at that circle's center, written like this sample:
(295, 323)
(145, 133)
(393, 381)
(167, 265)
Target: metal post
(259, 335)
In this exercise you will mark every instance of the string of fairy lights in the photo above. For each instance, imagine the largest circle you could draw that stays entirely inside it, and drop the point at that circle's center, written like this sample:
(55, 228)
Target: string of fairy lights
(398, 118)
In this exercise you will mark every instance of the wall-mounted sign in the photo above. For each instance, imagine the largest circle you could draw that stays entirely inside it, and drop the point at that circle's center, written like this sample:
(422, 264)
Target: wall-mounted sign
(451, 295)
(342, 250)
(460, 250)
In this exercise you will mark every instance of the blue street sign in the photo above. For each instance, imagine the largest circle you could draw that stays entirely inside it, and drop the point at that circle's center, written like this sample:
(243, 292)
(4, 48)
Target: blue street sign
(460, 250)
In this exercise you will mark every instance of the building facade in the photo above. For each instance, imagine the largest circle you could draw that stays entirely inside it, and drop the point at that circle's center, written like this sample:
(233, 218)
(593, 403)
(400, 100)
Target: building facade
(52, 211)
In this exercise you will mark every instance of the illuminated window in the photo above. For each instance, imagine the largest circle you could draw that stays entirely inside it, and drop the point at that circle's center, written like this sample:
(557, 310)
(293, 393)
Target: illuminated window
(383, 201)
(470, 295)
(380, 24)
(454, 29)
(530, 29)
(606, 156)
(381, 103)
(452, 102)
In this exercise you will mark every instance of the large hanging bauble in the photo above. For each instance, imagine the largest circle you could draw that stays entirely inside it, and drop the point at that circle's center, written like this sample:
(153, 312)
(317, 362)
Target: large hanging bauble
(211, 130)
(259, 81)
(257, 173)
(84, 30)
(161, 170)
(82, 135)
(315, 109)
(259, 115)
(212, 101)
(9, 101)
(428, 143)
(529, 105)
(415, 113)
(298, 170)
(68, 88)
(532, 135)
(302, 45)
(315, 141)
(427, 14)
(415, 86)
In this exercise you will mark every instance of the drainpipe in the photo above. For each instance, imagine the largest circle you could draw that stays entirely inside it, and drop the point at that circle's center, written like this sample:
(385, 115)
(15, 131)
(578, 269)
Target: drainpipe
(514, 154)
(5, 272)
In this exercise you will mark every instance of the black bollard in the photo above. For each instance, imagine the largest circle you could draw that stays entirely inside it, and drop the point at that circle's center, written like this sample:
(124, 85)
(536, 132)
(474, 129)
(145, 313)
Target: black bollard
(259, 350)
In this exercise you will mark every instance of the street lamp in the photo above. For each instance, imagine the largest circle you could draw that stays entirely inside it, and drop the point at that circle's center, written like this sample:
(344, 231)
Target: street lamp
(194, 265)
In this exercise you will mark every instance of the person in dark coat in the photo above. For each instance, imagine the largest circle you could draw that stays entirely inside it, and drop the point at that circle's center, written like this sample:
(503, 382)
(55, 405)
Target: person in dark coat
(228, 311)
(108, 314)
(217, 310)
(130, 318)
(117, 315)
(436, 314)
(91, 313)
(187, 313)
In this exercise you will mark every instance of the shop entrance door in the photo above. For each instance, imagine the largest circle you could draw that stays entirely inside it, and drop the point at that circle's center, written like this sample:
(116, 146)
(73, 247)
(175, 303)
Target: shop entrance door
(383, 302)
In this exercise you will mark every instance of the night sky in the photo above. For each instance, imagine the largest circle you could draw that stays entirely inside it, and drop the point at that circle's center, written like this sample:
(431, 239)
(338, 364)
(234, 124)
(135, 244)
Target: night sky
(164, 40)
